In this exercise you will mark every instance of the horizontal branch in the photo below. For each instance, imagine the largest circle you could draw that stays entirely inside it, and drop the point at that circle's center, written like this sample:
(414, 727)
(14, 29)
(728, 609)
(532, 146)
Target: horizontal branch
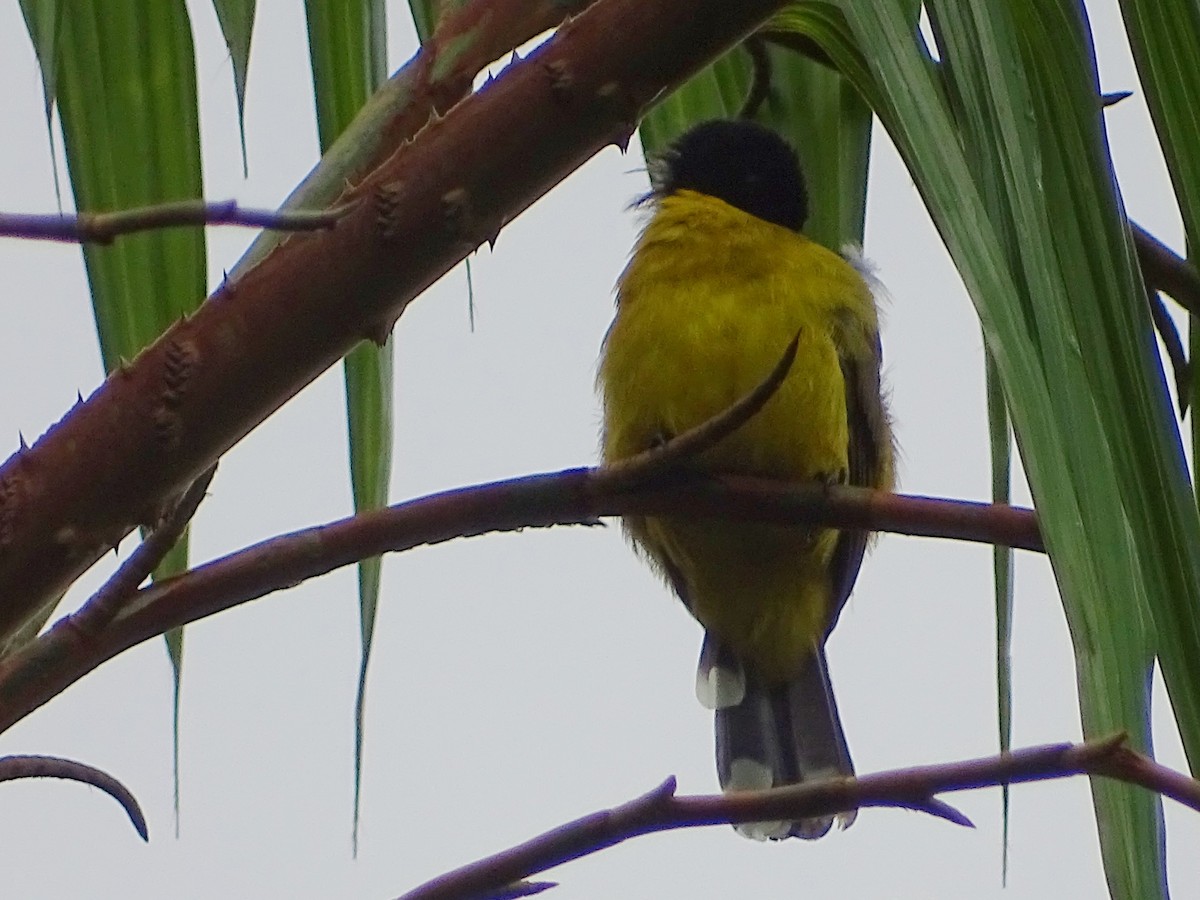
(103, 227)
(14, 767)
(35, 673)
(913, 788)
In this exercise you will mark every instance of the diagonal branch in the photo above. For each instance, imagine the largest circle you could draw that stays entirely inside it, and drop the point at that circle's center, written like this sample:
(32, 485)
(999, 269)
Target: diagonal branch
(469, 36)
(1165, 270)
(14, 767)
(157, 423)
(99, 610)
(913, 788)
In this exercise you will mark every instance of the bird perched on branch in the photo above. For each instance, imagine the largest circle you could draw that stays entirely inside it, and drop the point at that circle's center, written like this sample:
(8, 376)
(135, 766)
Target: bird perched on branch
(718, 284)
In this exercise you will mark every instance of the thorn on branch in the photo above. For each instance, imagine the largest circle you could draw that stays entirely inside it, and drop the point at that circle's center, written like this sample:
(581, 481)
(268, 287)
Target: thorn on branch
(942, 810)
(462, 222)
(621, 141)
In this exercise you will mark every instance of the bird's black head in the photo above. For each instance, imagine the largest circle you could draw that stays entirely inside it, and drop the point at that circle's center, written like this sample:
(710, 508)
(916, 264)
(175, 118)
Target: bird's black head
(745, 164)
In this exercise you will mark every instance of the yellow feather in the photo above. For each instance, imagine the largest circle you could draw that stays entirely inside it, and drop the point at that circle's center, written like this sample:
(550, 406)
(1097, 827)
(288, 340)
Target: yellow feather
(706, 306)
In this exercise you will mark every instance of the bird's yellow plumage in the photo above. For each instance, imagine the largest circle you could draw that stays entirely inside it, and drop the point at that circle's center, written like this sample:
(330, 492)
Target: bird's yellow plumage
(709, 301)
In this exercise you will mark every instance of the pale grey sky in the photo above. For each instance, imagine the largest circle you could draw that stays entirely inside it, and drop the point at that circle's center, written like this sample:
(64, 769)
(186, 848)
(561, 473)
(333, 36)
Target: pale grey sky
(522, 680)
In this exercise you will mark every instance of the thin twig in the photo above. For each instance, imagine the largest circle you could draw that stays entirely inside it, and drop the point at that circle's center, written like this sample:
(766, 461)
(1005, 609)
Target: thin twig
(648, 465)
(13, 767)
(1165, 270)
(1173, 344)
(103, 227)
(98, 611)
(912, 788)
(581, 837)
(1128, 765)
(760, 76)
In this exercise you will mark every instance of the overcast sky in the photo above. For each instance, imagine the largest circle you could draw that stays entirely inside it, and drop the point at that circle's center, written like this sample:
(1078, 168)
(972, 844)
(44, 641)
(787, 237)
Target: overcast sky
(522, 680)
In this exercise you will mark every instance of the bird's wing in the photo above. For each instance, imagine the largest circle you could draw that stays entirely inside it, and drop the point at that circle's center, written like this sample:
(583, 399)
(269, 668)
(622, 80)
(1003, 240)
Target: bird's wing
(867, 423)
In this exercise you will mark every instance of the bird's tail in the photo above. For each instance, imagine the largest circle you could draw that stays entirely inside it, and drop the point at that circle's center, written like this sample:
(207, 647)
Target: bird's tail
(769, 736)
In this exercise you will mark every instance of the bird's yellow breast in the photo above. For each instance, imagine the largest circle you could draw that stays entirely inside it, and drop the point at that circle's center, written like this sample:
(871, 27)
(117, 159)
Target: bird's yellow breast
(706, 307)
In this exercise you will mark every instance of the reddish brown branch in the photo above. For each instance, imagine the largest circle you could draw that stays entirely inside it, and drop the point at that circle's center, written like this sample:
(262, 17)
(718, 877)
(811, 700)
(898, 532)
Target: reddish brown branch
(913, 788)
(103, 605)
(126, 451)
(652, 482)
(13, 767)
(103, 227)
(467, 38)
(1165, 270)
(36, 672)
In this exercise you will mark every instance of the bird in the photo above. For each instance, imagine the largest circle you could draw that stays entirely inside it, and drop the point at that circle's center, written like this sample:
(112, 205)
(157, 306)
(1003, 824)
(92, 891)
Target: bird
(719, 282)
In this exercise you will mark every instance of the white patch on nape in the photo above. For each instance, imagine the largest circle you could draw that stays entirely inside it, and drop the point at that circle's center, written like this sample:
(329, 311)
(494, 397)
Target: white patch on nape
(854, 255)
(720, 687)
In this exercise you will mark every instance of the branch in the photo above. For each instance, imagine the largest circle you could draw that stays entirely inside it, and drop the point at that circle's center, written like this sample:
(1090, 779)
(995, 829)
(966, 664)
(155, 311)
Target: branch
(45, 666)
(650, 483)
(103, 605)
(103, 227)
(646, 466)
(264, 335)
(469, 36)
(1165, 270)
(1173, 344)
(760, 76)
(13, 767)
(662, 810)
